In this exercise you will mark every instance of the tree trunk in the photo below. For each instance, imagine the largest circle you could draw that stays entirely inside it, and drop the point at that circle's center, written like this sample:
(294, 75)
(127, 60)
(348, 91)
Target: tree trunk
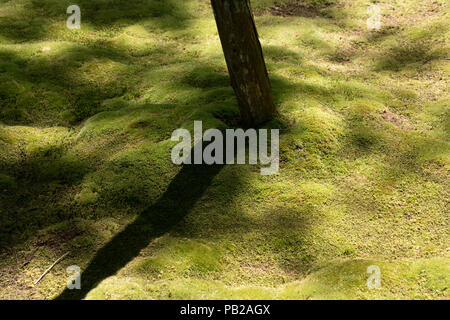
(245, 61)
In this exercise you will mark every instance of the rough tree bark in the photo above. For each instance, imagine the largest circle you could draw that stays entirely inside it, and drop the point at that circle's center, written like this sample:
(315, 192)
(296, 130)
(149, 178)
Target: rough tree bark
(245, 61)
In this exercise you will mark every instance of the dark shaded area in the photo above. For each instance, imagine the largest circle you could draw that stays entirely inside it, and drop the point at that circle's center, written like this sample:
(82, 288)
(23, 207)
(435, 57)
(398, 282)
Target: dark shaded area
(206, 77)
(282, 54)
(305, 8)
(39, 187)
(53, 89)
(409, 54)
(34, 21)
(60, 94)
(181, 195)
(29, 184)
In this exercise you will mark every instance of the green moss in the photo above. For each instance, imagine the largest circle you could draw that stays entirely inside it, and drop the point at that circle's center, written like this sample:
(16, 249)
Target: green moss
(183, 258)
(7, 183)
(86, 118)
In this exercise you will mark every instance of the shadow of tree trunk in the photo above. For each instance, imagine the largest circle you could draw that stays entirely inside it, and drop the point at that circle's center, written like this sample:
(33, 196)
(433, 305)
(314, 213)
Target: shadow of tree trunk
(181, 195)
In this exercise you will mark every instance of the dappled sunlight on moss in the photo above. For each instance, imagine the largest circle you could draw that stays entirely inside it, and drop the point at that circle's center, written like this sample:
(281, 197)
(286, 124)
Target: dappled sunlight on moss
(86, 119)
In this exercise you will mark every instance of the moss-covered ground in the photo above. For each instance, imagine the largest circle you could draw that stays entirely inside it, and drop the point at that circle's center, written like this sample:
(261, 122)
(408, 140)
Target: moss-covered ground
(85, 123)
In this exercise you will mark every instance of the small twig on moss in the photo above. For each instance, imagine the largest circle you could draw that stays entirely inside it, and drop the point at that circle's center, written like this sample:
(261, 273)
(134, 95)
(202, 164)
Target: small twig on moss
(50, 268)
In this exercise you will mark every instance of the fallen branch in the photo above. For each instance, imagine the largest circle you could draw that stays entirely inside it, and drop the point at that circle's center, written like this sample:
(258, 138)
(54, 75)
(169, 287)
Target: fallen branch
(51, 267)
